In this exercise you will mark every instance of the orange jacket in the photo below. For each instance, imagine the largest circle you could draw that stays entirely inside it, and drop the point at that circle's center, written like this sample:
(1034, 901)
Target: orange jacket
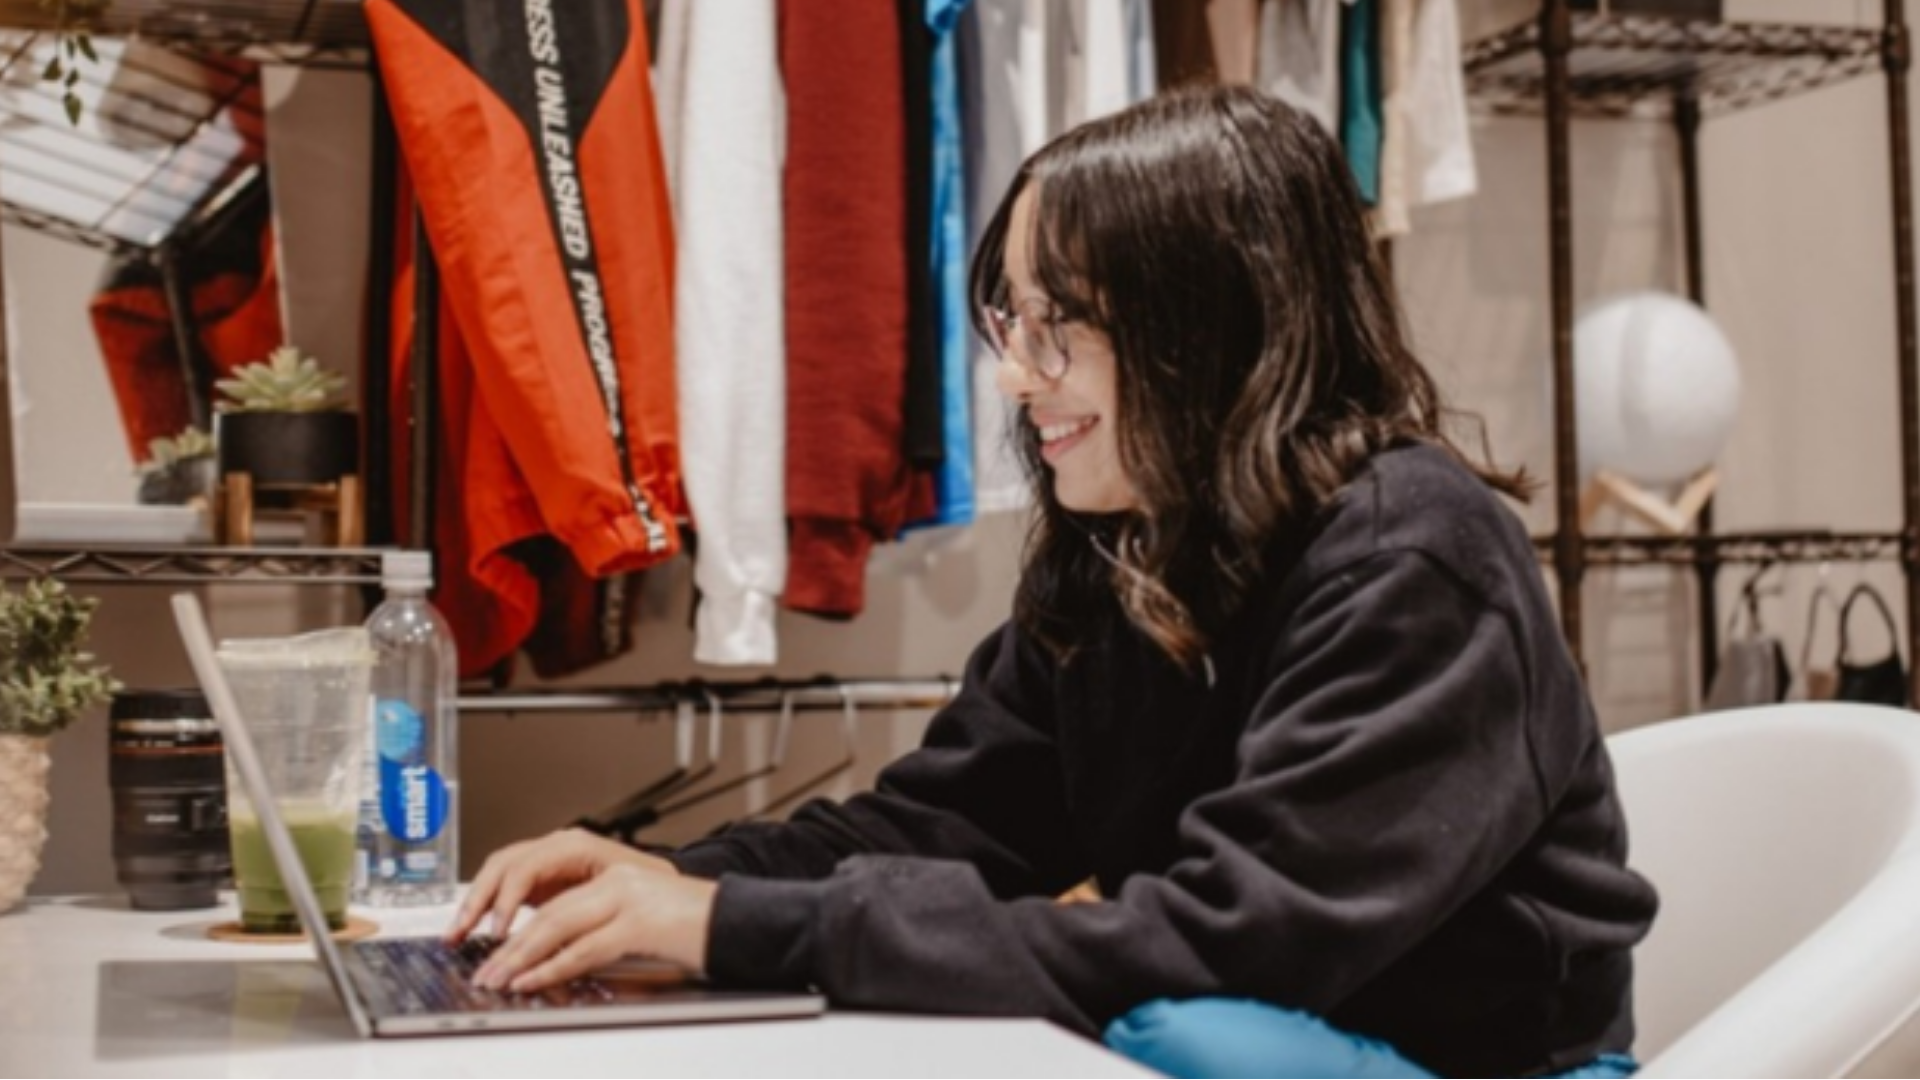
(528, 131)
(502, 582)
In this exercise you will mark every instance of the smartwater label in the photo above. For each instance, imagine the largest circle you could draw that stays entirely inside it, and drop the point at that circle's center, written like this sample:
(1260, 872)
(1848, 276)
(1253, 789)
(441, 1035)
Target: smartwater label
(413, 797)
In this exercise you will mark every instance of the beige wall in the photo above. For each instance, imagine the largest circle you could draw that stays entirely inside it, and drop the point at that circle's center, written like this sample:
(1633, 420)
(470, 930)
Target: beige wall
(1798, 271)
(60, 387)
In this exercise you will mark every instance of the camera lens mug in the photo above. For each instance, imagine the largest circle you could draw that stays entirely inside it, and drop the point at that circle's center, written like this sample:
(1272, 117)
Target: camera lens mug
(167, 772)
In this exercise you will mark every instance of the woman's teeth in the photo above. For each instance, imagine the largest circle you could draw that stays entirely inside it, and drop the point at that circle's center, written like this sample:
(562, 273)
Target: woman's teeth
(1056, 432)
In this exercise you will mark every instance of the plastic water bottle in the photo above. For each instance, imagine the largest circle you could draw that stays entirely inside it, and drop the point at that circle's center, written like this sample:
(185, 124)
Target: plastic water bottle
(414, 832)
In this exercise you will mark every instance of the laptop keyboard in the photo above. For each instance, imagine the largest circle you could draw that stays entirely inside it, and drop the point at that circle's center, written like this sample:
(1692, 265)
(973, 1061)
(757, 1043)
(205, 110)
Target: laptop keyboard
(407, 976)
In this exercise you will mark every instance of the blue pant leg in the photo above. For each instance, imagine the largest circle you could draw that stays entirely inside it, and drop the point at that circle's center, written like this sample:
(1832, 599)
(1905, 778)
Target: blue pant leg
(1604, 1067)
(1235, 1037)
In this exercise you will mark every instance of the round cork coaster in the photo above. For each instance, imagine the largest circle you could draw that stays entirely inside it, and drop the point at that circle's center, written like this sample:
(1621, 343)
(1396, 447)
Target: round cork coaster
(356, 929)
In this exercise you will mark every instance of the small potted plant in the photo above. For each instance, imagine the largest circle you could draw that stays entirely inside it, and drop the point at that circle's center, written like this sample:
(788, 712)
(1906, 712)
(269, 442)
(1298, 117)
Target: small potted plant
(47, 678)
(178, 469)
(286, 444)
(73, 22)
(284, 421)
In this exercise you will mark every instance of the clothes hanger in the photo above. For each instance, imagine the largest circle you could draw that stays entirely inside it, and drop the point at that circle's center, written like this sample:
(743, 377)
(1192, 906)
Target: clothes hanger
(1749, 600)
(608, 821)
(782, 737)
(686, 717)
(1818, 684)
(625, 819)
(849, 717)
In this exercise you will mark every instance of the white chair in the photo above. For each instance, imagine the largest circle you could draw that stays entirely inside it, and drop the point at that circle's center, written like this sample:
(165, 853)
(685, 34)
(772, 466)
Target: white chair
(1785, 842)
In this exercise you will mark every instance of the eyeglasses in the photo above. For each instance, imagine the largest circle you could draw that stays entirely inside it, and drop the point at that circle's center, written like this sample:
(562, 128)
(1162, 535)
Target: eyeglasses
(1033, 335)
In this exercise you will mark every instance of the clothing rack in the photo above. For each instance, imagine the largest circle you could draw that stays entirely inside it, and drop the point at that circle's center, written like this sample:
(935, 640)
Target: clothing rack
(819, 693)
(690, 781)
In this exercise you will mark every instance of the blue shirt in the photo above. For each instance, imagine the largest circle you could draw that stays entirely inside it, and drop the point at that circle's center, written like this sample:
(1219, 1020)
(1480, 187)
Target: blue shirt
(954, 504)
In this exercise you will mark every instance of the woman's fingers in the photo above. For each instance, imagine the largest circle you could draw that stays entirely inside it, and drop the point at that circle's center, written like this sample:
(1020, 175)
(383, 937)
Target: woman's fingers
(627, 910)
(480, 894)
(528, 871)
(597, 948)
(539, 871)
(567, 938)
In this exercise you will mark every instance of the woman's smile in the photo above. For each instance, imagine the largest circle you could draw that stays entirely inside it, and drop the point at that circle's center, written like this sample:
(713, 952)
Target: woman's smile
(1058, 437)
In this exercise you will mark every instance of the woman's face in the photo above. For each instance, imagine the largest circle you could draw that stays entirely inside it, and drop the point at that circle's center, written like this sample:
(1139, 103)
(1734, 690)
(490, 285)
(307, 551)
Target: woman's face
(1075, 413)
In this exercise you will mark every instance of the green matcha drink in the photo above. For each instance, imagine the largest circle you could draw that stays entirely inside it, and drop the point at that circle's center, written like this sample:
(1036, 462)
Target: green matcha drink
(324, 837)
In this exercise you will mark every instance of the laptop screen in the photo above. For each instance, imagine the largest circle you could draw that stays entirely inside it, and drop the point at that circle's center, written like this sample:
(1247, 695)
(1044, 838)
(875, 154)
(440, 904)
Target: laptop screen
(626, 993)
(240, 751)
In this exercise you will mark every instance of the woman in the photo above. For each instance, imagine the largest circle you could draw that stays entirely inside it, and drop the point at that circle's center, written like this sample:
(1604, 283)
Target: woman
(1282, 681)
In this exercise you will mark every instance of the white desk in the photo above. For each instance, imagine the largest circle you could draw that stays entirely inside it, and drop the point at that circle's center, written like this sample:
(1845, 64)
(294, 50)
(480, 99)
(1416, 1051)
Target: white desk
(91, 988)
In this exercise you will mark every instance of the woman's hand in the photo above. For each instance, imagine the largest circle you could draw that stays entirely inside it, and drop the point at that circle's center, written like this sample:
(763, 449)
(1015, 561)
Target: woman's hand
(625, 910)
(536, 871)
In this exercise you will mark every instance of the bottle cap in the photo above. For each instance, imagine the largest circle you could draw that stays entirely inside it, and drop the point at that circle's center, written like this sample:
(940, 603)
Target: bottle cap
(403, 569)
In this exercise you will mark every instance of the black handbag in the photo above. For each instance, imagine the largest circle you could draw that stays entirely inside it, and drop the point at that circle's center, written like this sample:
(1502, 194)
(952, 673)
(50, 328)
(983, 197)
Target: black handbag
(1877, 682)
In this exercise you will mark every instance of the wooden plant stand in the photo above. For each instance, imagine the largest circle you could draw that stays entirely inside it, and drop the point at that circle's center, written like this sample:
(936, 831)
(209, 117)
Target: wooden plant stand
(239, 499)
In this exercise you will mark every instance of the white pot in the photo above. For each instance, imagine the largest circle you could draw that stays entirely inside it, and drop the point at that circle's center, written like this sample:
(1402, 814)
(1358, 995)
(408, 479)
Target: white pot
(23, 813)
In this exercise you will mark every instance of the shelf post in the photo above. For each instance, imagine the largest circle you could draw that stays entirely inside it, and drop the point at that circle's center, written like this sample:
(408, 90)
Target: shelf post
(423, 368)
(195, 367)
(1896, 56)
(1706, 561)
(1569, 557)
(376, 381)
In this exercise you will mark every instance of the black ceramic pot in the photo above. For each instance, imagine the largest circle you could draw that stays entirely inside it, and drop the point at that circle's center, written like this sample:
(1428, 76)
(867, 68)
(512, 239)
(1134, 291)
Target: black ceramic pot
(289, 447)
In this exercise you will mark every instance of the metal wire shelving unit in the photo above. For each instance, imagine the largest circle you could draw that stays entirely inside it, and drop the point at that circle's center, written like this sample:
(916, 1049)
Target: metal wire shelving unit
(1564, 65)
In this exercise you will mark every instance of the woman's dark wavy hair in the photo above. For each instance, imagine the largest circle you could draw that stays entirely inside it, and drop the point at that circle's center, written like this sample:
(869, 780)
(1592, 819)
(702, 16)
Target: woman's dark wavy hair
(1216, 236)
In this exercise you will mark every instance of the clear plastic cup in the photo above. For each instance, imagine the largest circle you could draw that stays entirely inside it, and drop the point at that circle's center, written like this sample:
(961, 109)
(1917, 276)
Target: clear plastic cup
(304, 701)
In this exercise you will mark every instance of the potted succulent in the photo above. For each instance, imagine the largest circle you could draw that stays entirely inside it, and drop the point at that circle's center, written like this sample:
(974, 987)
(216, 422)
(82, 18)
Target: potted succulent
(47, 678)
(284, 421)
(178, 469)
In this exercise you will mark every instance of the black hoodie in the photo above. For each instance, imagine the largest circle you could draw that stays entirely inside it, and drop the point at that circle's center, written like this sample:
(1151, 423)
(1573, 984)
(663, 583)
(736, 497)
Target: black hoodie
(1388, 805)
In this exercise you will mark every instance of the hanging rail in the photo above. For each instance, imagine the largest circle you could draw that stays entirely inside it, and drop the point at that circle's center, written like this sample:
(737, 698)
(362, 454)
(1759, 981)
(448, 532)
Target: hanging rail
(1817, 545)
(759, 695)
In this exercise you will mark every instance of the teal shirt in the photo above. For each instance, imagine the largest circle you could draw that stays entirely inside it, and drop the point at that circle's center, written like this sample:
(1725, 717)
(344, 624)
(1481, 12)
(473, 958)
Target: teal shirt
(1360, 128)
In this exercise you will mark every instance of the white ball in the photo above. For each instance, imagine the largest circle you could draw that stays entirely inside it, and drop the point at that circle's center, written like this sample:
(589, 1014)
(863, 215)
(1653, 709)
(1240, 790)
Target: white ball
(1657, 388)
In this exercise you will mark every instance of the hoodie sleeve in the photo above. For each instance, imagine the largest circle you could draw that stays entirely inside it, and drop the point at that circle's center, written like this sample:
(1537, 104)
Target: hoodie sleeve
(984, 788)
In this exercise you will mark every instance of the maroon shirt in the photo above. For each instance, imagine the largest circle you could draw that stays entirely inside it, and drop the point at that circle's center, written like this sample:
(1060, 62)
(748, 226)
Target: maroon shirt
(848, 481)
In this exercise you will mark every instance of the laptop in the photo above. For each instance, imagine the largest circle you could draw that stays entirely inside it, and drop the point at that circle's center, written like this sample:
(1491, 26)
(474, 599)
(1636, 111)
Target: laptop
(421, 985)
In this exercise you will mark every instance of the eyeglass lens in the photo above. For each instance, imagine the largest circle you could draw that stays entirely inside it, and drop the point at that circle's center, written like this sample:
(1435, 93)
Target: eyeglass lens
(1031, 336)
